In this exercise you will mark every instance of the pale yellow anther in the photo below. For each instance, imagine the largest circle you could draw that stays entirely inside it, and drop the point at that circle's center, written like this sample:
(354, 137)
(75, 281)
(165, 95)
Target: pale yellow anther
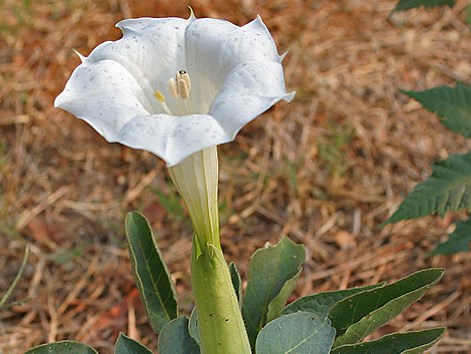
(159, 96)
(180, 85)
(183, 89)
(183, 75)
(172, 87)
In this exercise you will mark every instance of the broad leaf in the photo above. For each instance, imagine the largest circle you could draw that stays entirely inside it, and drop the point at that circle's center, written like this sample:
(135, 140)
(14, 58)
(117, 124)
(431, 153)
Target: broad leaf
(126, 345)
(458, 241)
(279, 301)
(403, 5)
(152, 277)
(363, 313)
(269, 270)
(321, 303)
(452, 105)
(448, 188)
(63, 347)
(299, 332)
(175, 338)
(193, 326)
(396, 343)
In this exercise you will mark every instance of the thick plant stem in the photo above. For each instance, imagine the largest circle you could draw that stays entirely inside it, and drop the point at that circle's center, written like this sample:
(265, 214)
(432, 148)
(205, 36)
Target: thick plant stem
(220, 323)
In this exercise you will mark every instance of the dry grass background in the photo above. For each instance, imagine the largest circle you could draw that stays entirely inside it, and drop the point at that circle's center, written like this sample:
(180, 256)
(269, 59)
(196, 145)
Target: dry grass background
(326, 169)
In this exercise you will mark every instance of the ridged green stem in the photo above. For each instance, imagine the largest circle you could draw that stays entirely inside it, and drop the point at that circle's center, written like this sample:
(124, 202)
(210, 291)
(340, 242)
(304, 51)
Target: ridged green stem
(220, 323)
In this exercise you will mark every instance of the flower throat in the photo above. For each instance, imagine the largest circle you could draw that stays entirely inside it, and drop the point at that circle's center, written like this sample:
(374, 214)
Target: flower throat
(179, 88)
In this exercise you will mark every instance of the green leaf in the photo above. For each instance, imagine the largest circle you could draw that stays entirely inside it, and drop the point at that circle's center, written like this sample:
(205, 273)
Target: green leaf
(296, 333)
(62, 347)
(452, 105)
(396, 343)
(152, 277)
(448, 188)
(126, 345)
(279, 301)
(458, 241)
(403, 5)
(361, 314)
(175, 338)
(270, 268)
(236, 281)
(193, 326)
(321, 303)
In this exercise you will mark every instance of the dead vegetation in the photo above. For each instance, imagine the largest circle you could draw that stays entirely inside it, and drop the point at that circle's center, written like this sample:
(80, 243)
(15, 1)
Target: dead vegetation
(326, 170)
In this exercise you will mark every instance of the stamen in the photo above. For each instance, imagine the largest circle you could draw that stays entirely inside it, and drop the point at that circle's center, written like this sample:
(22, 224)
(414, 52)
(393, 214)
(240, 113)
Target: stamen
(172, 87)
(161, 98)
(183, 89)
(180, 86)
(183, 75)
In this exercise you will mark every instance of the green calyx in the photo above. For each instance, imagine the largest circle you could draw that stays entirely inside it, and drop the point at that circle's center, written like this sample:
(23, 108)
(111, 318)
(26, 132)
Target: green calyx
(220, 323)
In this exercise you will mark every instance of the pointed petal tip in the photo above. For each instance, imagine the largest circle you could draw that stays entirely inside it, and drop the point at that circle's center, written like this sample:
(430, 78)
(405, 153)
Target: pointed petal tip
(120, 25)
(289, 96)
(283, 56)
(257, 21)
(82, 57)
(192, 14)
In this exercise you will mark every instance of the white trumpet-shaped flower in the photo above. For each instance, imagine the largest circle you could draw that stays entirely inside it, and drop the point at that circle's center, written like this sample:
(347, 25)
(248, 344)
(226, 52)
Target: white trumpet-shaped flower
(178, 88)
(173, 86)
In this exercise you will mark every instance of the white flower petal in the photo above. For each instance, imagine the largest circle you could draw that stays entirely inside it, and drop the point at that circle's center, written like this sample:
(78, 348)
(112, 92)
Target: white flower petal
(105, 95)
(173, 138)
(215, 47)
(249, 90)
(152, 50)
(252, 42)
(205, 61)
(222, 45)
